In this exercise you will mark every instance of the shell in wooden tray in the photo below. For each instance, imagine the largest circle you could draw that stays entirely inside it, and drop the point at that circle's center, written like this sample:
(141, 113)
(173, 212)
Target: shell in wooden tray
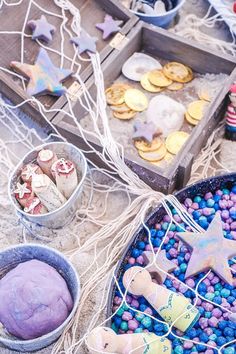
(166, 113)
(138, 65)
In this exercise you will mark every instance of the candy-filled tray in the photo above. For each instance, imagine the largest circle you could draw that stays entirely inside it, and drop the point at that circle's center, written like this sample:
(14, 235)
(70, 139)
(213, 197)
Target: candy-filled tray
(211, 326)
(165, 162)
(55, 37)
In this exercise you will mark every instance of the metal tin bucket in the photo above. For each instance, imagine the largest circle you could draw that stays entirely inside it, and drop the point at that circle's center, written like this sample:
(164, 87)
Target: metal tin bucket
(63, 215)
(9, 259)
(164, 20)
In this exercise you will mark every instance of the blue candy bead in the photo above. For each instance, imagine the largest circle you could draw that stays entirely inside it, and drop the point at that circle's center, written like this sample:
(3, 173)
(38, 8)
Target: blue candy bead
(197, 199)
(228, 332)
(202, 204)
(153, 232)
(138, 330)
(234, 189)
(220, 341)
(200, 348)
(117, 321)
(217, 300)
(147, 322)
(225, 293)
(204, 337)
(196, 214)
(222, 324)
(230, 299)
(135, 253)
(179, 349)
(141, 245)
(142, 307)
(225, 191)
(191, 333)
(211, 202)
(160, 233)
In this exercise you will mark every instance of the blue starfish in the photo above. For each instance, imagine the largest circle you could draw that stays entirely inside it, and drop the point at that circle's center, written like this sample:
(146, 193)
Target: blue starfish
(42, 29)
(43, 76)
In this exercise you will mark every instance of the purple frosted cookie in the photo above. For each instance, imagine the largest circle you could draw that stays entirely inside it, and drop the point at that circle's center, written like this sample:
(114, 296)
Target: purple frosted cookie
(34, 300)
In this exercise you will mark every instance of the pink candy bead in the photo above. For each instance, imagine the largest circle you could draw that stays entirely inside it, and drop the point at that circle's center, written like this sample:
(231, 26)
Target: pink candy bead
(131, 260)
(135, 303)
(217, 313)
(127, 316)
(188, 345)
(213, 321)
(132, 324)
(140, 260)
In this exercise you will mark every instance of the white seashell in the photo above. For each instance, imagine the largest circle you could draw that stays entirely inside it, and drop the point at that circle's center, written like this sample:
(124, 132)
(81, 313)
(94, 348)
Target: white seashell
(166, 113)
(159, 8)
(148, 10)
(138, 65)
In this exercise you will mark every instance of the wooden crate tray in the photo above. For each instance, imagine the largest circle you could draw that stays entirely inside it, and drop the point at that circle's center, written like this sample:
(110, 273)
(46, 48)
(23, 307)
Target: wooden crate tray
(12, 19)
(167, 47)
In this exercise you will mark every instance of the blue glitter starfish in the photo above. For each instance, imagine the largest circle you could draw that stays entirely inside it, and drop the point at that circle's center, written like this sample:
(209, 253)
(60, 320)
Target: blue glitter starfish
(42, 29)
(85, 42)
(43, 76)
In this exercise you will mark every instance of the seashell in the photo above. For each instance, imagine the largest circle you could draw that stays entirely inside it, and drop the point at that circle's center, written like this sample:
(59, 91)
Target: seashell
(166, 113)
(138, 65)
(148, 10)
(159, 8)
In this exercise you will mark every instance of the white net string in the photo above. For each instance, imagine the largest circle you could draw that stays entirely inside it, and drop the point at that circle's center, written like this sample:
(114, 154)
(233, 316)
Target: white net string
(100, 233)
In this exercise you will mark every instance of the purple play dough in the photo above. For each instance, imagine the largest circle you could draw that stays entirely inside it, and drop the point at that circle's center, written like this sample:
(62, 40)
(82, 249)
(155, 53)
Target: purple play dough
(34, 300)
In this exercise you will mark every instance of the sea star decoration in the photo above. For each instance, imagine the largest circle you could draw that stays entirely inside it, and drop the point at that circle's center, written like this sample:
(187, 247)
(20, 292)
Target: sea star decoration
(146, 131)
(43, 75)
(109, 26)
(42, 29)
(162, 262)
(30, 171)
(210, 250)
(21, 189)
(85, 42)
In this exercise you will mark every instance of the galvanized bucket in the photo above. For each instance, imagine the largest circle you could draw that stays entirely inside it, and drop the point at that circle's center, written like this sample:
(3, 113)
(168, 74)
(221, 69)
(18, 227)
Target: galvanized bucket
(9, 259)
(63, 215)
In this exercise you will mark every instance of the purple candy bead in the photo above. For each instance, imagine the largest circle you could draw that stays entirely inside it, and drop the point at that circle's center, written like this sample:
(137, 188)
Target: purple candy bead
(127, 316)
(209, 351)
(135, 303)
(213, 322)
(188, 202)
(117, 300)
(203, 322)
(208, 331)
(225, 214)
(190, 282)
(140, 260)
(217, 313)
(188, 345)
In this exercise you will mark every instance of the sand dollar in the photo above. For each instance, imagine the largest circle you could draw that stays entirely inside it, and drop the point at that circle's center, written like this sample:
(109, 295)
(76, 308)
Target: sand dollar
(156, 155)
(175, 141)
(197, 109)
(178, 72)
(146, 147)
(136, 100)
(157, 78)
(138, 65)
(148, 86)
(166, 113)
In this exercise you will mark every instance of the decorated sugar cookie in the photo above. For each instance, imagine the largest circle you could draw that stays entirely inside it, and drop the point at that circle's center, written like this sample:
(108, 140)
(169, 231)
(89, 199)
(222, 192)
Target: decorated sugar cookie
(85, 42)
(109, 26)
(44, 77)
(23, 193)
(29, 170)
(210, 250)
(173, 308)
(41, 29)
(104, 340)
(66, 177)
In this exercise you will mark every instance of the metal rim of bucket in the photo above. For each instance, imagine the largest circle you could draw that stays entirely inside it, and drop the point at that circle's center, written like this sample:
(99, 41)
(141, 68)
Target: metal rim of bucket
(175, 9)
(5, 341)
(38, 148)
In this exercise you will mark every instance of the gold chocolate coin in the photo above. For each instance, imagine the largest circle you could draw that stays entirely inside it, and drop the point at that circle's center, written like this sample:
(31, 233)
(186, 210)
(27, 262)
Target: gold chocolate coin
(148, 86)
(136, 100)
(145, 147)
(175, 141)
(190, 119)
(178, 72)
(203, 94)
(115, 94)
(121, 108)
(196, 109)
(167, 159)
(152, 156)
(157, 78)
(175, 86)
(124, 115)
